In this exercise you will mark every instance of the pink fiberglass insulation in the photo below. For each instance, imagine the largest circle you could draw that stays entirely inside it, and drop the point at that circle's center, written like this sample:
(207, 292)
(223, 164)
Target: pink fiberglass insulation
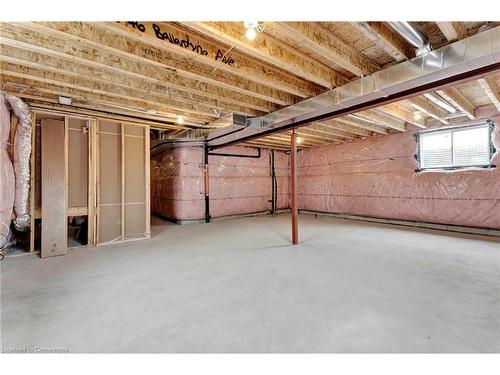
(7, 184)
(376, 177)
(237, 185)
(177, 183)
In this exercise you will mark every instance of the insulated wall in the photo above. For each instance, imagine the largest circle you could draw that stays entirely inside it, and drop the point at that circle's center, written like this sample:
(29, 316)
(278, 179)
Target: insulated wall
(237, 184)
(376, 177)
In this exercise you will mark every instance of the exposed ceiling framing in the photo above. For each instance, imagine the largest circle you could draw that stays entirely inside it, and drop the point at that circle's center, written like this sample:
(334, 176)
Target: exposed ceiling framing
(203, 71)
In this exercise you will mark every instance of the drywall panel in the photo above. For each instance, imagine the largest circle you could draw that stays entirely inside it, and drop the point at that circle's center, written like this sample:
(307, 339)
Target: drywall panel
(135, 220)
(53, 177)
(122, 189)
(109, 168)
(135, 189)
(77, 163)
(109, 221)
(109, 127)
(135, 130)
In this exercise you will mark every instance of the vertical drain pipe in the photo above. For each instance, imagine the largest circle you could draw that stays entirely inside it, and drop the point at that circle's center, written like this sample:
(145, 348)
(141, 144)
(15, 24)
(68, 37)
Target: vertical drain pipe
(207, 197)
(273, 183)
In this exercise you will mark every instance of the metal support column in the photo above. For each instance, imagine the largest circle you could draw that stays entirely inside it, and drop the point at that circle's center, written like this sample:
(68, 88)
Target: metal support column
(293, 188)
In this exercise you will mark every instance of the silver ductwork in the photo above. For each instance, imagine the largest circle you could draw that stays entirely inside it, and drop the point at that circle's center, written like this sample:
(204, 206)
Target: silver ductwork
(413, 36)
(22, 152)
(6, 177)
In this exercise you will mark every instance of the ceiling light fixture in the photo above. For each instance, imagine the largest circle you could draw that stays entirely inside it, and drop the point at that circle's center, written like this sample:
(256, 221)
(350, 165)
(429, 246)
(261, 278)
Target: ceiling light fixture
(417, 115)
(65, 100)
(363, 119)
(299, 140)
(252, 28)
(440, 102)
(180, 119)
(251, 34)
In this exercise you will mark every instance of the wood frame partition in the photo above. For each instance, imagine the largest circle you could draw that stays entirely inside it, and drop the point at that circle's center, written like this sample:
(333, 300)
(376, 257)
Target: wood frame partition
(137, 141)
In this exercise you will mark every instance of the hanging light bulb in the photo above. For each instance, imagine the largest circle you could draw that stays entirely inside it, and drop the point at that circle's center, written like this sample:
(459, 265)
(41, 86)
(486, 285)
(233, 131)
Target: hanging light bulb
(252, 28)
(299, 140)
(251, 34)
(180, 119)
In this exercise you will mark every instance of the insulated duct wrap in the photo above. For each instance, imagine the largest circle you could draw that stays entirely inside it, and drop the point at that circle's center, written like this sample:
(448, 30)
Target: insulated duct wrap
(6, 176)
(237, 185)
(22, 152)
(376, 177)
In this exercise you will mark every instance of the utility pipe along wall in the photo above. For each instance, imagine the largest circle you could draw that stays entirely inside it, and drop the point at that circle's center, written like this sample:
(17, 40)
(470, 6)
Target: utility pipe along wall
(238, 185)
(376, 177)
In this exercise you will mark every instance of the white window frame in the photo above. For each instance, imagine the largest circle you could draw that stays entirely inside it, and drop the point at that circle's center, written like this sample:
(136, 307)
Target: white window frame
(453, 130)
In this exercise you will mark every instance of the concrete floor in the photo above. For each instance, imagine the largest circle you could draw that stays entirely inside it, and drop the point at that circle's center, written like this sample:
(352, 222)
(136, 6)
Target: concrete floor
(237, 286)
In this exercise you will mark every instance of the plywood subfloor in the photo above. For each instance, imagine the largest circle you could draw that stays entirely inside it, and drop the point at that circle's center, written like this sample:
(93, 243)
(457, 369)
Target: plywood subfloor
(238, 286)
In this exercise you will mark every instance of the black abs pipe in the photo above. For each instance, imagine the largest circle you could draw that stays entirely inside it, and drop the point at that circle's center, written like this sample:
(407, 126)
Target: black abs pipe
(237, 155)
(274, 189)
(207, 196)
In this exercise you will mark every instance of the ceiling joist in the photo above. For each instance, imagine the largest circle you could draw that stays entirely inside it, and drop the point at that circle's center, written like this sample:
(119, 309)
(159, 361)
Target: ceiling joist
(270, 50)
(321, 42)
(386, 39)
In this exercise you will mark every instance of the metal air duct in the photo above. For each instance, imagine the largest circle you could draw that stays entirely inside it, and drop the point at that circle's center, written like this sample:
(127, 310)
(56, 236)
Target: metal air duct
(22, 152)
(413, 36)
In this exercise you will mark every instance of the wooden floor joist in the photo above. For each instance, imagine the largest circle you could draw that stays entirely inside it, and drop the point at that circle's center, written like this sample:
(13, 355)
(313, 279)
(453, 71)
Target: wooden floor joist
(104, 56)
(321, 42)
(204, 70)
(133, 74)
(268, 49)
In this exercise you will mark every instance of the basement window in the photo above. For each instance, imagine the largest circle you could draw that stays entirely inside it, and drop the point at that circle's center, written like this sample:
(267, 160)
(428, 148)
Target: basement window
(455, 148)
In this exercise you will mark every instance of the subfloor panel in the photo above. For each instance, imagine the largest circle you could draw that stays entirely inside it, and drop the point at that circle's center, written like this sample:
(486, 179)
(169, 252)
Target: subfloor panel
(238, 286)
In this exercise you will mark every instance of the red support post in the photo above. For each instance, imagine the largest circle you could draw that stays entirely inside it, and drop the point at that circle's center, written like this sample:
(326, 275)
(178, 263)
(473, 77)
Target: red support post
(293, 188)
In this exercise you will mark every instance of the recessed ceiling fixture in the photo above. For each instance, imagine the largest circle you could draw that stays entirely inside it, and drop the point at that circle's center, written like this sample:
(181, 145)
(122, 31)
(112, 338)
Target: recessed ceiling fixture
(180, 119)
(65, 100)
(252, 28)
